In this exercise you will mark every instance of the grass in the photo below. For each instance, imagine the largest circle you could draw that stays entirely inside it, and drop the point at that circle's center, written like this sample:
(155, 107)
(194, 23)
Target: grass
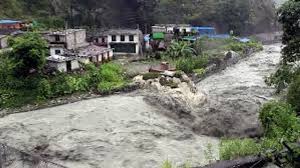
(236, 148)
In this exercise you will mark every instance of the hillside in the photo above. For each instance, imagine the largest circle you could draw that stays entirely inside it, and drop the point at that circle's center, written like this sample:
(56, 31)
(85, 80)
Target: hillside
(249, 16)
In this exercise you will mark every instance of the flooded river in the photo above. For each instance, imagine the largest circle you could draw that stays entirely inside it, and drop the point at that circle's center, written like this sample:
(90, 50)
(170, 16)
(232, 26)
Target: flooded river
(124, 131)
(236, 94)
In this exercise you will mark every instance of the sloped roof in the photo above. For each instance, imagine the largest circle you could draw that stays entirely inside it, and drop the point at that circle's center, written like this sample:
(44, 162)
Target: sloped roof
(123, 32)
(65, 32)
(6, 21)
(58, 58)
(92, 50)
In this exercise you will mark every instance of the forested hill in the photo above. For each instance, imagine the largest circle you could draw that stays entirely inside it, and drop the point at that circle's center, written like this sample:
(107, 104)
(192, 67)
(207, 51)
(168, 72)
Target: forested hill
(244, 16)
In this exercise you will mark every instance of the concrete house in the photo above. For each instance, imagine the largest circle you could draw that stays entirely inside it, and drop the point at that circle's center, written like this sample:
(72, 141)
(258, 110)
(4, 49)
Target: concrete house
(69, 48)
(95, 54)
(63, 64)
(169, 28)
(125, 41)
(69, 39)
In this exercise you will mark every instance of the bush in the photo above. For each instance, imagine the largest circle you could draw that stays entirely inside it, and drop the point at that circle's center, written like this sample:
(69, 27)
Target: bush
(187, 65)
(235, 148)
(44, 89)
(199, 72)
(293, 96)
(151, 75)
(112, 77)
(105, 86)
(180, 49)
(279, 121)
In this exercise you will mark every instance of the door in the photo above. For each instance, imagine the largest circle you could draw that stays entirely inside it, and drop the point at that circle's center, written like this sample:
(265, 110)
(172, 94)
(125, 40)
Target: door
(69, 66)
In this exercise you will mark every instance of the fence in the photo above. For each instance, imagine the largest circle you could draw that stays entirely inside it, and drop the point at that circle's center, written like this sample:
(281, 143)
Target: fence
(13, 158)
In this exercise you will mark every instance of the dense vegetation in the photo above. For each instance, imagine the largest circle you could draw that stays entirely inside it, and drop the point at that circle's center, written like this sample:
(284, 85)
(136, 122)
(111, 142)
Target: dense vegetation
(247, 16)
(195, 57)
(22, 80)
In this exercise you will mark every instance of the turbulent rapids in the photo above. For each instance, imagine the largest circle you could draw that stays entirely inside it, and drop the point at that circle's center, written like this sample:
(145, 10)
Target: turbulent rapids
(126, 131)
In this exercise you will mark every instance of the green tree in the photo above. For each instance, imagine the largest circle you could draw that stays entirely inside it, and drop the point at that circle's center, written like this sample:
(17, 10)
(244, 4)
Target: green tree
(29, 52)
(289, 15)
(293, 96)
(180, 49)
(280, 122)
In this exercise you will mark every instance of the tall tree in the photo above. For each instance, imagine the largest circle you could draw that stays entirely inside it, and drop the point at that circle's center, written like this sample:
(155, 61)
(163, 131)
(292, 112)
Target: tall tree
(29, 52)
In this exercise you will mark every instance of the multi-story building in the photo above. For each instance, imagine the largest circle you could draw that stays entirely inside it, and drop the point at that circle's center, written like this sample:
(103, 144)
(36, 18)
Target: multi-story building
(69, 47)
(125, 41)
(69, 39)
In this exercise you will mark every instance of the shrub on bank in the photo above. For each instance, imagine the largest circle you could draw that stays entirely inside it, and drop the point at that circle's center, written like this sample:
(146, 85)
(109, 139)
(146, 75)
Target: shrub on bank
(188, 65)
(293, 96)
(17, 92)
(235, 148)
(280, 121)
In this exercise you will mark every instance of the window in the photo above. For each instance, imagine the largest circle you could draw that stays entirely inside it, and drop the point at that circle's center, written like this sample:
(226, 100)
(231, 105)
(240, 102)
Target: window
(113, 38)
(57, 38)
(131, 38)
(57, 52)
(103, 40)
(124, 47)
(122, 38)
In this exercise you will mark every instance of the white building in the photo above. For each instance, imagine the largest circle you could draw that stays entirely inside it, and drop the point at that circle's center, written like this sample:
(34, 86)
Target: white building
(169, 28)
(3, 41)
(125, 42)
(63, 64)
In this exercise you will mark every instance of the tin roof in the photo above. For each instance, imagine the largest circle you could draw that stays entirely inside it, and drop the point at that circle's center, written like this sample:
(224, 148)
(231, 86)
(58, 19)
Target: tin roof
(58, 58)
(204, 28)
(92, 50)
(65, 32)
(6, 21)
(123, 32)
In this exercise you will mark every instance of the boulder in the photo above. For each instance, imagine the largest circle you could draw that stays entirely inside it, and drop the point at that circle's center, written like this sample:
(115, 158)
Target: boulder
(232, 57)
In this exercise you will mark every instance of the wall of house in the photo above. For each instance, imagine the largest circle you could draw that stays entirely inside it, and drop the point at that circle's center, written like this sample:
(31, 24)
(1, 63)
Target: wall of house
(111, 54)
(84, 60)
(75, 64)
(188, 29)
(118, 39)
(53, 51)
(136, 41)
(59, 66)
(3, 42)
(52, 38)
(76, 39)
(11, 26)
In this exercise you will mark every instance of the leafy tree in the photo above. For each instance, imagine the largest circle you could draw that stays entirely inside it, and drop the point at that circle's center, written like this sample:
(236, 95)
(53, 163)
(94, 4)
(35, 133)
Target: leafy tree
(279, 121)
(289, 15)
(180, 49)
(29, 52)
(293, 96)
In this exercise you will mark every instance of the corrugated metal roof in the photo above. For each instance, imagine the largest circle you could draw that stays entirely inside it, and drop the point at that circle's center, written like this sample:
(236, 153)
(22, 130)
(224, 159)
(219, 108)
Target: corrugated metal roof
(204, 28)
(5, 21)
